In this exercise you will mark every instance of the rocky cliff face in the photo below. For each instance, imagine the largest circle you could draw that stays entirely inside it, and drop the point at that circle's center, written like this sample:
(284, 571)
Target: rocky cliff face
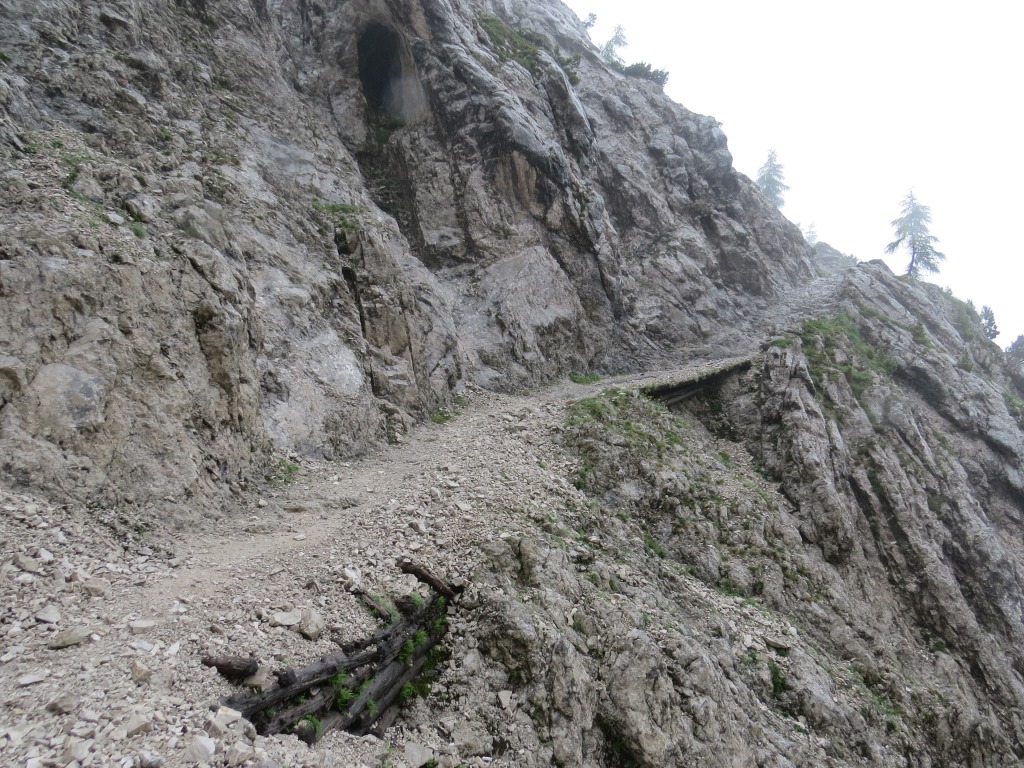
(233, 228)
(237, 232)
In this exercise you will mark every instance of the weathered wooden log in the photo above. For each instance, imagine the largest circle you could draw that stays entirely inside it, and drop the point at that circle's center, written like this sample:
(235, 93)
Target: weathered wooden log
(294, 682)
(232, 667)
(353, 689)
(423, 575)
(376, 606)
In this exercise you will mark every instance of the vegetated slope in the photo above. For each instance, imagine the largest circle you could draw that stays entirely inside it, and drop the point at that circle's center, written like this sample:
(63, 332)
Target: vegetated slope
(239, 228)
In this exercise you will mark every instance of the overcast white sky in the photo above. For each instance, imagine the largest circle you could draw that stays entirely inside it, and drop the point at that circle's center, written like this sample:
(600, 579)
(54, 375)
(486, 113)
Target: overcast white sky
(862, 102)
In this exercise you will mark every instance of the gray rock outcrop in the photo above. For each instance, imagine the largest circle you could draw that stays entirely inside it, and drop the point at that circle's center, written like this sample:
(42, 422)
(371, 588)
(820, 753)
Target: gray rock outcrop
(239, 229)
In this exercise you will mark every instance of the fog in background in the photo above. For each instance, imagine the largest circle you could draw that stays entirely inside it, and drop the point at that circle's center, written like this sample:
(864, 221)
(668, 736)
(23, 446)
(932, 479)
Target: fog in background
(862, 102)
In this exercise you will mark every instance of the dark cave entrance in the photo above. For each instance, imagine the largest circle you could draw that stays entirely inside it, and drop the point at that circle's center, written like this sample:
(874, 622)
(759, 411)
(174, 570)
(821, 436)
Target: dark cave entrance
(380, 69)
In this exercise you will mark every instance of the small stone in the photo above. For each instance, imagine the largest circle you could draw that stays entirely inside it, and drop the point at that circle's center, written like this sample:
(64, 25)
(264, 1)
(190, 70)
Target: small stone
(75, 749)
(27, 564)
(285, 618)
(417, 755)
(201, 750)
(351, 579)
(260, 680)
(420, 526)
(299, 537)
(313, 624)
(261, 503)
(238, 753)
(777, 643)
(138, 724)
(505, 698)
(143, 646)
(31, 679)
(464, 506)
(140, 672)
(69, 637)
(96, 587)
(44, 555)
(150, 760)
(114, 218)
(50, 614)
(141, 626)
(64, 704)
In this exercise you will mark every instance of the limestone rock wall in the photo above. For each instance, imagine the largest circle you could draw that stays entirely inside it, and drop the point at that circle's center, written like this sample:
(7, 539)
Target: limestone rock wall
(235, 228)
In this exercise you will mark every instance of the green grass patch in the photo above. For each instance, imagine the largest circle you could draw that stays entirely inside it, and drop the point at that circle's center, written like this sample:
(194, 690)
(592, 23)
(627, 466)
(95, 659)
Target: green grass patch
(442, 416)
(341, 215)
(835, 344)
(282, 472)
(655, 546)
(512, 44)
(4, 57)
(584, 378)
(1015, 406)
(343, 698)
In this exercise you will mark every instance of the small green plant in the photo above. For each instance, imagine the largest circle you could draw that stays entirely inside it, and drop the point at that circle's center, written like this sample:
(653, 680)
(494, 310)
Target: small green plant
(343, 698)
(314, 722)
(405, 655)
(781, 341)
(371, 707)
(584, 378)
(384, 126)
(645, 71)
(655, 546)
(417, 599)
(138, 229)
(73, 162)
(442, 416)
(340, 214)
(337, 680)
(391, 616)
(1015, 406)
(4, 57)
(779, 685)
(283, 472)
(920, 334)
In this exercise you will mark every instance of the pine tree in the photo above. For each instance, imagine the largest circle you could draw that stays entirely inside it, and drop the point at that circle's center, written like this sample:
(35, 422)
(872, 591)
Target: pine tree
(610, 50)
(769, 179)
(811, 235)
(912, 234)
(1016, 350)
(988, 320)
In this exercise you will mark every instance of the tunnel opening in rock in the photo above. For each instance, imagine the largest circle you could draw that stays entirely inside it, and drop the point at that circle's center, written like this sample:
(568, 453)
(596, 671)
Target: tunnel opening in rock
(380, 69)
